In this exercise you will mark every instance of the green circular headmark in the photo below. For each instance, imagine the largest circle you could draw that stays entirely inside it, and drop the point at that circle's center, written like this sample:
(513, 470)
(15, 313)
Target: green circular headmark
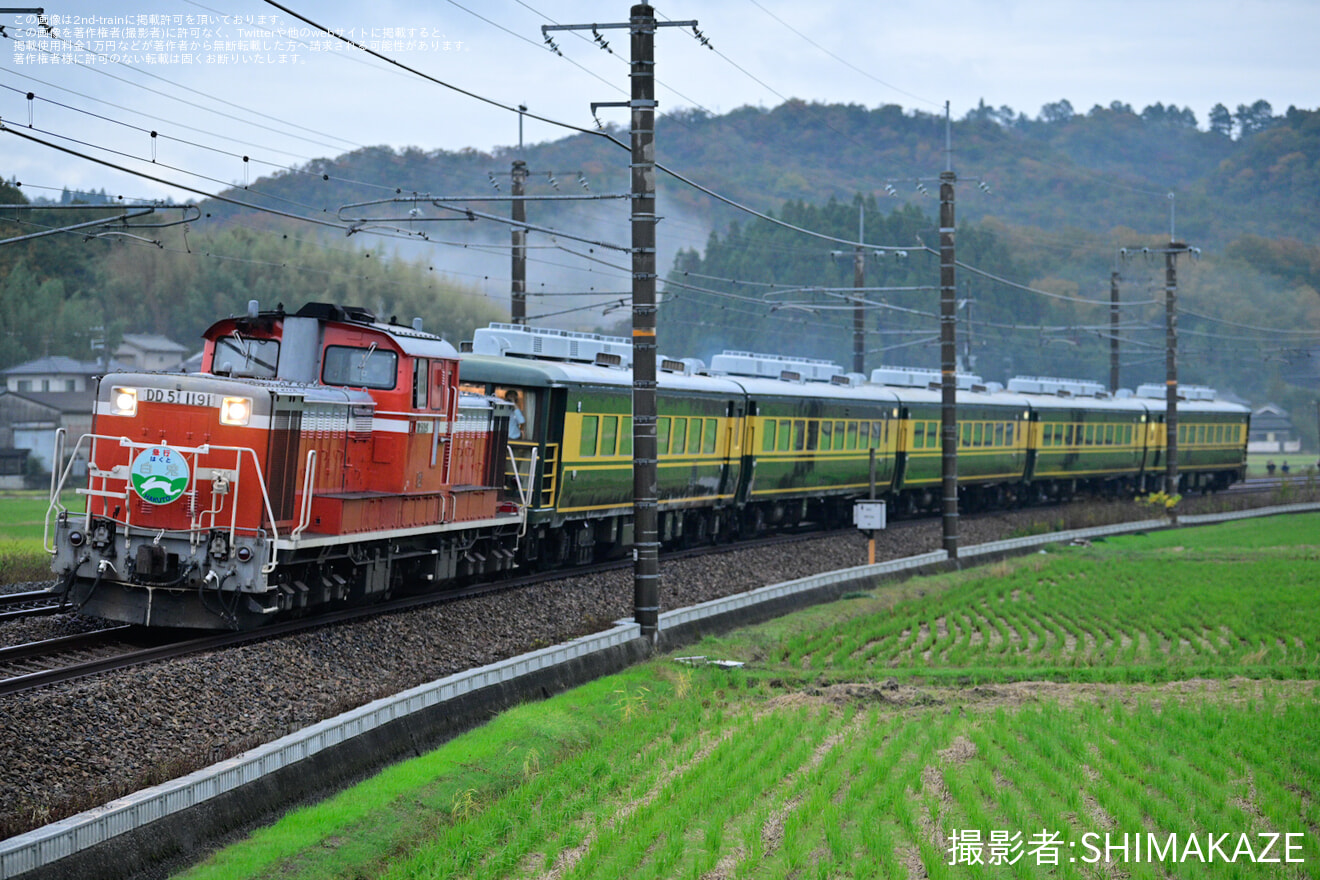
(159, 474)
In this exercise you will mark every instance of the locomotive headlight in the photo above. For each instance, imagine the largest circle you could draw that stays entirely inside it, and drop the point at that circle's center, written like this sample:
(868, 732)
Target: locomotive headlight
(235, 410)
(123, 401)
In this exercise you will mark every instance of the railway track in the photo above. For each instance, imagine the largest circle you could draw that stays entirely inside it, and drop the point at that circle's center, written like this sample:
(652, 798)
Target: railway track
(70, 658)
(31, 603)
(39, 664)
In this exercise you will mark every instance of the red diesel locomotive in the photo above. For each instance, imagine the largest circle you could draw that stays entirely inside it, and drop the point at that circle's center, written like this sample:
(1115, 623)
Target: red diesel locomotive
(318, 457)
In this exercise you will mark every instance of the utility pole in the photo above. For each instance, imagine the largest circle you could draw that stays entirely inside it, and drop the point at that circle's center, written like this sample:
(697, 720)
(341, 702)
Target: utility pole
(968, 345)
(518, 298)
(859, 281)
(1171, 253)
(518, 232)
(948, 365)
(646, 547)
(641, 26)
(1171, 364)
(1113, 332)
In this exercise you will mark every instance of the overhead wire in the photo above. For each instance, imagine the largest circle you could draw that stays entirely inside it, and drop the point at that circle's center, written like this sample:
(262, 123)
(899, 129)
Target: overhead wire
(246, 121)
(293, 169)
(843, 61)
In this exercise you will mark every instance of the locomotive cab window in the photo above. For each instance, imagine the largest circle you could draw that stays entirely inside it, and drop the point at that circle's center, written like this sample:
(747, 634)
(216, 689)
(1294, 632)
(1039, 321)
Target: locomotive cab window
(360, 367)
(237, 355)
(421, 375)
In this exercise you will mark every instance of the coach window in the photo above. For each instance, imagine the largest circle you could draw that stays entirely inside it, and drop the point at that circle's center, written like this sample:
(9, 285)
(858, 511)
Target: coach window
(678, 437)
(785, 436)
(711, 435)
(826, 435)
(918, 435)
(590, 427)
(999, 434)
(1008, 433)
(1109, 435)
(966, 435)
(768, 436)
(799, 435)
(875, 434)
(360, 367)
(840, 435)
(609, 434)
(625, 436)
(1200, 434)
(662, 435)
(694, 436)
(813, 434)
(851, 439)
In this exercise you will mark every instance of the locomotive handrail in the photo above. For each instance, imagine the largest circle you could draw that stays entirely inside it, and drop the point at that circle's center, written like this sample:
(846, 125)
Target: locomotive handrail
(195, 451)
(305, 515)
(48, 543)
(524, 492)
(268, 567)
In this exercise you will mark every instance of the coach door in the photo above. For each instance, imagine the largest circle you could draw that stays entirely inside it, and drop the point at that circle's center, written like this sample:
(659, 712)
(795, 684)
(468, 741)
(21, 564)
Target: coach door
(730, 464)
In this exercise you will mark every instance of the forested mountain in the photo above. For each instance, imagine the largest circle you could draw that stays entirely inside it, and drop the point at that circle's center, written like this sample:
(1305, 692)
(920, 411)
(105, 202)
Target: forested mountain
(1067, 189)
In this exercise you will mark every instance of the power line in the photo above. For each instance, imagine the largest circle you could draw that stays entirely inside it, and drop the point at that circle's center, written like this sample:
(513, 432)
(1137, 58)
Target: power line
(195, 191)
(1062, 296)
(843, 61)
(289, 168)
(199, 93)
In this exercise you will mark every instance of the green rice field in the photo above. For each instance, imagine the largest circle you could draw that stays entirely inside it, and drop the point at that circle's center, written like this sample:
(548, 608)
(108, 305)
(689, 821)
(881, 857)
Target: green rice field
(22, 515)
(1149, 699)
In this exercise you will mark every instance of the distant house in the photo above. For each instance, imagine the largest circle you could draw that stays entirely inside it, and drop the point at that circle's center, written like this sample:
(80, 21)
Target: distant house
(192, 364)
(55, 374)
(13, 465)
(149, 352)
(1272, 431)
(44, 395)
(29, 420)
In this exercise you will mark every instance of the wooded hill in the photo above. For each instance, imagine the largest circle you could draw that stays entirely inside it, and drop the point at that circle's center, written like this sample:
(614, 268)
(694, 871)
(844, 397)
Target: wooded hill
(1067, 189)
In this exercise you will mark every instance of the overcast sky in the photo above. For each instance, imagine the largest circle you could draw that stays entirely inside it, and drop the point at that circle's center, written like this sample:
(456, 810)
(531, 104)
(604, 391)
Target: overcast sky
(918, 55)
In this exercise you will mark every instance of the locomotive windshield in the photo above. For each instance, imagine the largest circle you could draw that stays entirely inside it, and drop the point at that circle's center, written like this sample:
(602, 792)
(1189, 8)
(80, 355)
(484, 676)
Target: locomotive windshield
(237, 355)
(360, 367)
